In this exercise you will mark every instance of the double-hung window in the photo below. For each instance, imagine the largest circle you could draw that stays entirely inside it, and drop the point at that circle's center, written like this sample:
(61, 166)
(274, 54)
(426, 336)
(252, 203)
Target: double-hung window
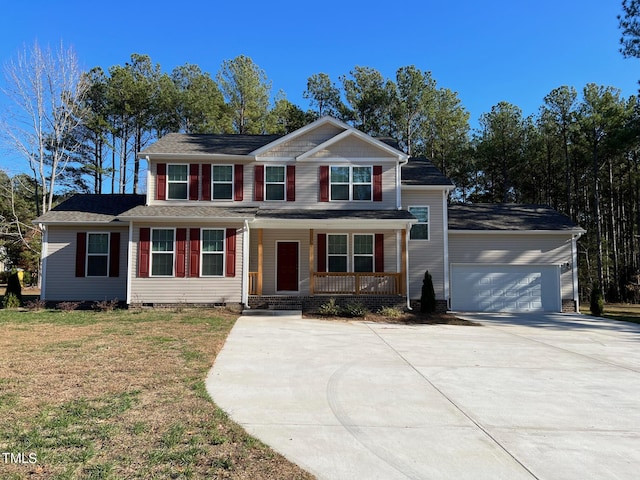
(420, 230)
(222, 178)
(162, 252)
(337, 253)
(213, 241)
(97, 254)
(275, 183)
(351, 183)
(363, 255)
(177, 181)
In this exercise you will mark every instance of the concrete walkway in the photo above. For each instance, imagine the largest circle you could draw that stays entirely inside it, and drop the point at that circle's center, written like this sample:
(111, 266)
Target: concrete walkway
(522, 397)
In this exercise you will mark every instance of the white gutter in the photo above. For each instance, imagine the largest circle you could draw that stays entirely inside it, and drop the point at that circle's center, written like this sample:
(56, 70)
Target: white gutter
(44, 251)
(129, 262)
(245, 265)
(445, 222)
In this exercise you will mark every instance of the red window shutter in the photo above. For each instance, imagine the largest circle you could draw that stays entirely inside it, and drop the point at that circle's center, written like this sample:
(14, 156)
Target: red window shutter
(379, 252)
(291, 183)
(377, 183)
(81, 253)
(114, 254)
(258, 186)
(324, 183)
(181, 252)
(238, 182)
(206, 182)
(161, 181)
(194, 252)
(231, 252)
(194, 173)
(322, 252)
(144, 252)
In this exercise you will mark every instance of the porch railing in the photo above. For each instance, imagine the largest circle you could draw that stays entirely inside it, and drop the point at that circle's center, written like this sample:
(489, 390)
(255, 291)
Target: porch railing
(346, 283)
(357, 283)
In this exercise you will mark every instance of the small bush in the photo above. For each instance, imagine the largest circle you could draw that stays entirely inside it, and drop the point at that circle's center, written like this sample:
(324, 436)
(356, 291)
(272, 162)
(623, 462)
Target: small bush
(36, 305)
(68, 306)
(597, 302)
(428, 297)
(106, 305)
(10, 300)
(356, 309)
(329, 308)
(390, 312)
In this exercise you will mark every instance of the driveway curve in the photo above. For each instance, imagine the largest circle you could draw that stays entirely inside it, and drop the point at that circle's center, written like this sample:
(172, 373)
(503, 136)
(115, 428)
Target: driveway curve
(521, 397)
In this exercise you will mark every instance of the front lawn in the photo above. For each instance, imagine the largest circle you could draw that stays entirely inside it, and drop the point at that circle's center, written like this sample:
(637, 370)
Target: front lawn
(120, 395)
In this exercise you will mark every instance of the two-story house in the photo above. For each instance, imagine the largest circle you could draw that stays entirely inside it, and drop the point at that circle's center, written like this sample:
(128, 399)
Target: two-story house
(290, 221)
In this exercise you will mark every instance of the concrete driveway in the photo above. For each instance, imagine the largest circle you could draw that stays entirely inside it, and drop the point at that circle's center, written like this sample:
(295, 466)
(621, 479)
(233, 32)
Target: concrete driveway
(521, 397)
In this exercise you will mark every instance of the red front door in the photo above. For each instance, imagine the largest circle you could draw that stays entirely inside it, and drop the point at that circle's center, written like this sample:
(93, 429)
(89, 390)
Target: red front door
(287, 274)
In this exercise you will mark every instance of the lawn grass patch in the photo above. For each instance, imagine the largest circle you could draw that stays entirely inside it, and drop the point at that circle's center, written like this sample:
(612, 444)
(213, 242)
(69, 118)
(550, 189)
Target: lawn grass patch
(121, 394)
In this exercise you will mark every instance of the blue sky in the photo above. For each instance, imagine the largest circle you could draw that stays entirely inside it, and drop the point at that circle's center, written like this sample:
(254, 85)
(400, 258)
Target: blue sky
(490, 51)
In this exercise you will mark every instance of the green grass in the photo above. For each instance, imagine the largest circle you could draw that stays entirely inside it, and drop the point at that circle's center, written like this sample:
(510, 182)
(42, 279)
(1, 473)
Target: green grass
(622, 312)
(110, 395)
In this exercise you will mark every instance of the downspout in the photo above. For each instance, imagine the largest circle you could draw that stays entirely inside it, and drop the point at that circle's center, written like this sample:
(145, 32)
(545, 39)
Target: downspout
(148, 179)
(399, 166)
(43, 261)
(574, 270)
(406, 246)
(129, 262)
(245, 265)
(445, 225)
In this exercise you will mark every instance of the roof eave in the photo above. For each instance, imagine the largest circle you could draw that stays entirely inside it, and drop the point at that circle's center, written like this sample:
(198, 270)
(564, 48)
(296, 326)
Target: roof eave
(572, 231)
(194, 156)
(335, 223)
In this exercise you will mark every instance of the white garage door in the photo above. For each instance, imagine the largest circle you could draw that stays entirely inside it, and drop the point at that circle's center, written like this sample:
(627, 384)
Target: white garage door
(505, 288)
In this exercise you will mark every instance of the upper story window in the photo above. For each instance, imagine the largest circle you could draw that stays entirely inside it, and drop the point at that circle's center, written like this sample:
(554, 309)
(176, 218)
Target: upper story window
(351, 183)
(97, 254)
(222, 182)
(275, 183)
(177, 181)
(420, 230)
(162, 252)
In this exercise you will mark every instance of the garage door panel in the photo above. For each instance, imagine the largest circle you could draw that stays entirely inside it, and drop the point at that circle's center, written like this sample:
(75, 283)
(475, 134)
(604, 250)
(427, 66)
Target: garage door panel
(505, 288)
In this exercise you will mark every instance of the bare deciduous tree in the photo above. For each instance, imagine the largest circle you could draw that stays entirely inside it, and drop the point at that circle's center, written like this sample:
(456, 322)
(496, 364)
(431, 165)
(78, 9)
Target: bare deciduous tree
(45, 87)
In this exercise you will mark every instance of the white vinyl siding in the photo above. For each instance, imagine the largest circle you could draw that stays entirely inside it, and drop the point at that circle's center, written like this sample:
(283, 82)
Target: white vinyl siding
(429, 255)
(61, 283)
(204, 290)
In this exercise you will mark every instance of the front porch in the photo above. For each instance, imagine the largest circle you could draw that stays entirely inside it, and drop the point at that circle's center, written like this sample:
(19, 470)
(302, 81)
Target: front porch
(298, 262)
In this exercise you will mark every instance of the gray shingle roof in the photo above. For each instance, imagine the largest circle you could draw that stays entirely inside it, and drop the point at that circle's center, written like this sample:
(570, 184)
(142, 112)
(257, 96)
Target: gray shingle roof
(186, 143)
(420, 171)
(309, 214)
(82, 208)
(507, 217)
(201, 212)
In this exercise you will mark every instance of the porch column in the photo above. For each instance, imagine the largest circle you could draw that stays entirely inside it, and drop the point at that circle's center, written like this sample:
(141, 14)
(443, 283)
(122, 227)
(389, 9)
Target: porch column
(403, 262)
(311, 262)
(260, 258)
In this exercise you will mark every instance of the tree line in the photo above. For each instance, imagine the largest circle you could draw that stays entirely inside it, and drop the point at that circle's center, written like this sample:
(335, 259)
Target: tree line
(578, 154)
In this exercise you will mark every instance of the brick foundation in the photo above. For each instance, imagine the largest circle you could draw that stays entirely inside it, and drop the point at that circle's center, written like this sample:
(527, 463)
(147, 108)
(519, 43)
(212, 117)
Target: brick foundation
(312, 303)
(569, 306)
